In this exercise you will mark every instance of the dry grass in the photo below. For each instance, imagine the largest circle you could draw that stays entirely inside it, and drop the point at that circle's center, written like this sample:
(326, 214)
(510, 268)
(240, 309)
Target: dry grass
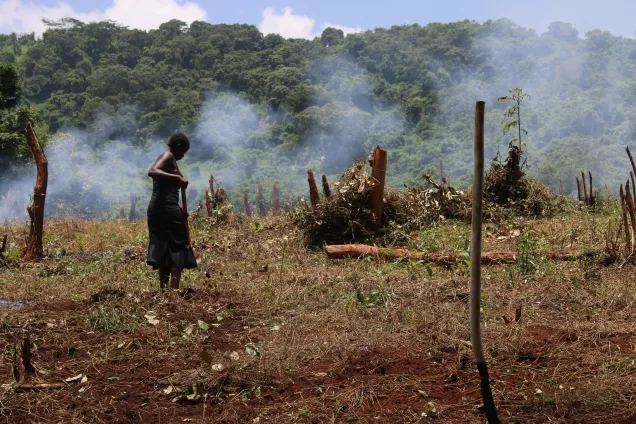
(351, 341)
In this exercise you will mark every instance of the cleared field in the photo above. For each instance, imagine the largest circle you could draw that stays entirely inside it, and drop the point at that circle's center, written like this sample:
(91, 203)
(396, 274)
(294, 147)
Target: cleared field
(268, 331)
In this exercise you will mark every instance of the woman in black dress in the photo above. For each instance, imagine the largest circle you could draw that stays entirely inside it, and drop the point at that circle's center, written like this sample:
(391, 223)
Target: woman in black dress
(168, 250)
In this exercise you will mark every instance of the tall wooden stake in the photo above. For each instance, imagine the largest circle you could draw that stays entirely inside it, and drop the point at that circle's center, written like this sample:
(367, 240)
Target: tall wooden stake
(578, 188)
(34, 249)
(628, 237)
(378, 174)
(313, 189)
(631, 159)
(631, 175)
(475, 267)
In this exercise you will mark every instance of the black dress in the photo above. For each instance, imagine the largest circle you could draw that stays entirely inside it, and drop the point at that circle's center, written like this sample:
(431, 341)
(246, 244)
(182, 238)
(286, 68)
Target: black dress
(166, 224)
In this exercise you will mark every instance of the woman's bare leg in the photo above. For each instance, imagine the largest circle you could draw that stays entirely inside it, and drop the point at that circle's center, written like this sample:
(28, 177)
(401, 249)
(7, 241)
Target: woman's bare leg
(164, 276)
(175, 281)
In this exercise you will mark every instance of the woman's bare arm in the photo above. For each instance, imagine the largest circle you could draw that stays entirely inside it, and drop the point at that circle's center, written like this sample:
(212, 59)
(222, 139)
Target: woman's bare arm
(164, 162)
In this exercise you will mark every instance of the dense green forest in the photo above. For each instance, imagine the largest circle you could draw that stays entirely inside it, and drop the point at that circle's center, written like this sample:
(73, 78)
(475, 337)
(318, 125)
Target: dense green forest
(264, 107)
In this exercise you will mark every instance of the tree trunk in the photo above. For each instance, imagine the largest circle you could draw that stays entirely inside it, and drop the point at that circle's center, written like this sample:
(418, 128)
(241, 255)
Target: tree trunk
(34, 249)
(248, 208)
(260, 199)
(276, 199)
(578, 188)
(378, 174)
(358, 251)
(313, 189)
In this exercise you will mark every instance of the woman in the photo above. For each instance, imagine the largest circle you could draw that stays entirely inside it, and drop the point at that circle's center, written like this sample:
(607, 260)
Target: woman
(169, 251)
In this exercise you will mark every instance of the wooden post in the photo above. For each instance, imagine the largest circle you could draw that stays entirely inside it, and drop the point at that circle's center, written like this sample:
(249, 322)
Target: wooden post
(475, 266)
(276, 199)
(578, 188)
(585, 198)
(246, 201)
(326, 190)
(34, 249)
(628, 237)
(378, 174)
(313, 189)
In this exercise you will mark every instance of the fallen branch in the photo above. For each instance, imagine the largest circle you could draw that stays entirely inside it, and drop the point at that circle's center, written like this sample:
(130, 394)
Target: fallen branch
(357, 251)
(33, 387)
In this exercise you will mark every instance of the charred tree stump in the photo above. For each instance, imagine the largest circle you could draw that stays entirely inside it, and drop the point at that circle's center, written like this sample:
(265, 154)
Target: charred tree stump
(276, 199)
(631, 176)
(208, 203)
(578, 188)
(630, 206)
(287, 205)
(133, 207)
(585, 198)
(34, 249)
(592, 200)
(313, 189)
(326, 190)
(260, 199)
(631, 159)
(628, 236)
(246, 202)
(378, 174)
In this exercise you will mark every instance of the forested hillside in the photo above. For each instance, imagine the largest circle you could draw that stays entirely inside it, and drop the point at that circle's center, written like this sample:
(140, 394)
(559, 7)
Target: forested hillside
(263, 107)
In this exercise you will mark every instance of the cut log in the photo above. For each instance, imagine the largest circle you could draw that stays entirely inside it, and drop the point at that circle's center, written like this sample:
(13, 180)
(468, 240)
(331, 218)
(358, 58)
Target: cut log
(357, 251)
(34, 249)
(378, 174)
(326, 190)
(313, 189)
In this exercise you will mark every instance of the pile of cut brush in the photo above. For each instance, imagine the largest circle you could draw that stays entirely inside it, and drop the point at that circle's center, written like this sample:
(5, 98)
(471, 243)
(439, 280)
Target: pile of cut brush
(345, 216)
(507, 190)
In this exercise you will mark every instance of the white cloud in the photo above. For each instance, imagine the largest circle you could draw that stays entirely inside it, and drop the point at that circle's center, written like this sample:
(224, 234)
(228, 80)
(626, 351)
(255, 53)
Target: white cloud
(345, 29)
(289, 25)
(25, 16)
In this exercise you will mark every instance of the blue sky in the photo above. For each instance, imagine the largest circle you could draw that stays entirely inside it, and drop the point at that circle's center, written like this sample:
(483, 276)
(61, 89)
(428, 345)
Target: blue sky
(307, 18)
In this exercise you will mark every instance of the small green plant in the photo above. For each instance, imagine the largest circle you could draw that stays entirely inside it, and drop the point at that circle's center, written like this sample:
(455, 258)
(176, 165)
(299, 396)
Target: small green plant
(514, 112)
(110, 319)
(527, 262)
(374, 299)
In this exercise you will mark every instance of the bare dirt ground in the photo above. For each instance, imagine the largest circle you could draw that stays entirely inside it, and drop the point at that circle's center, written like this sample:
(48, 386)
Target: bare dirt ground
(268, 331)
